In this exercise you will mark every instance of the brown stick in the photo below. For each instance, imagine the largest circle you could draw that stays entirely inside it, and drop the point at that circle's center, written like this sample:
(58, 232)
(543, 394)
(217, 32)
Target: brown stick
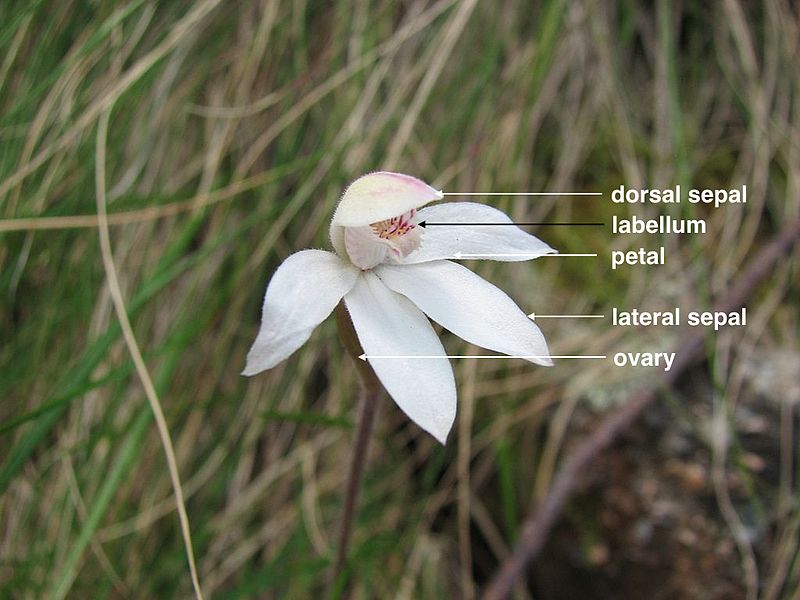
(538, 525)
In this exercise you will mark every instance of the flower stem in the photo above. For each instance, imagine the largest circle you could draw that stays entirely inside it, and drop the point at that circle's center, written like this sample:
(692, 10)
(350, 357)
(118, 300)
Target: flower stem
(368, 409)
(366, 423)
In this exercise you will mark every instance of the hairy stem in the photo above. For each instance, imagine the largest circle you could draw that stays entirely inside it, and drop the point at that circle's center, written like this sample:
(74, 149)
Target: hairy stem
(366, 424)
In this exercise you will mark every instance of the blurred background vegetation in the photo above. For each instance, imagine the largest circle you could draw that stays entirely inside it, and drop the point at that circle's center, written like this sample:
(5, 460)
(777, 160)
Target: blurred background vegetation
(234, 127)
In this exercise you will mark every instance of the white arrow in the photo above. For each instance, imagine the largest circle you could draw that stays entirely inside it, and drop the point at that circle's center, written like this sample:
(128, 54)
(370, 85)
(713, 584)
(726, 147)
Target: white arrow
(459, 255)
(479, 356)
(534, 316)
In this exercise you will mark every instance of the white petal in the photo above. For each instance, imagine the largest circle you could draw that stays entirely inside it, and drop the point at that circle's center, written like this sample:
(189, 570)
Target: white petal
(492, 242)
(364, 248)
(388, 324)
(469, 306)
(337, 241)
(380, 196)
(301, 294)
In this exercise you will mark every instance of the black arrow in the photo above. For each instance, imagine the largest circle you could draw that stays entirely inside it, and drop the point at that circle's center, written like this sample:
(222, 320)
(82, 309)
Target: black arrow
(424, 224)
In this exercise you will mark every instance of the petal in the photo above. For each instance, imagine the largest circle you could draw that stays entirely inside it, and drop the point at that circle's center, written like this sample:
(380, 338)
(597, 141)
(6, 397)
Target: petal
(380, 196)
(304, 290)
(469, 306)
(389, 325)
(363, 246)
(337, 241)
(446, 242)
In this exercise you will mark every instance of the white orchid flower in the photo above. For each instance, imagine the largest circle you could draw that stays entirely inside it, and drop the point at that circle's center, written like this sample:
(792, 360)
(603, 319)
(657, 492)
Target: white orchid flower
(391, 273)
